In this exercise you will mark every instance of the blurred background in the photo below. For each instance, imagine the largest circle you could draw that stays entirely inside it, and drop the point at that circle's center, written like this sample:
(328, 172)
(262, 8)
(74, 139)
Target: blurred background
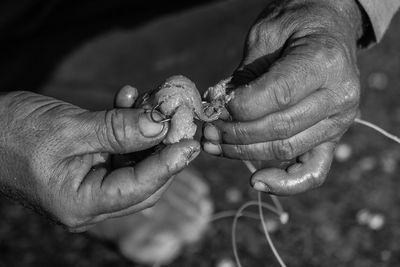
(352, 220)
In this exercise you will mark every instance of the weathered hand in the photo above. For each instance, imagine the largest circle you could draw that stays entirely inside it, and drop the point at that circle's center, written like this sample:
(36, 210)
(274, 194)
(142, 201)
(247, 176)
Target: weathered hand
(54, 158)
(298, 92)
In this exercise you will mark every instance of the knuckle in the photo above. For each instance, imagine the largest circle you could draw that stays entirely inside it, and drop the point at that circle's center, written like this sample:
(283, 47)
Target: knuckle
(282, 93)
(241, 152)
(254, 34)
(328, 52)
(265, 34)
(283, 126)
(115, 131)
(259, 33)
(337, 124)
(320, 53)
(240, 132)
(331, 54)
(283, 150)
(353, 92)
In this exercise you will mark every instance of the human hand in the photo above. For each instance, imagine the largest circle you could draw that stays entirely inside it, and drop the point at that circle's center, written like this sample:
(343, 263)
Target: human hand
(54, 158)
(298, 92)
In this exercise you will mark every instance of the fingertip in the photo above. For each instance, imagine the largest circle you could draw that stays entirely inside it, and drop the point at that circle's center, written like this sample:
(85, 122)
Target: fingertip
(273, 181)
(192, 149)
(179, 155)
(126, 97)
(212, 133)
(213, 149)
(260, 186)
(300, 177)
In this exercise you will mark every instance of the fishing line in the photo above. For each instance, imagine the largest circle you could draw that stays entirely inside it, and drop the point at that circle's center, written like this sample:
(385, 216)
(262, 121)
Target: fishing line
(378, 129)
(278, 207)
(281, 213)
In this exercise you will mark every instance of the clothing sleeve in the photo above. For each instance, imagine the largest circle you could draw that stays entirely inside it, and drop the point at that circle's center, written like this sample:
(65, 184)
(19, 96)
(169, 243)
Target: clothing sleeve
(380, 13)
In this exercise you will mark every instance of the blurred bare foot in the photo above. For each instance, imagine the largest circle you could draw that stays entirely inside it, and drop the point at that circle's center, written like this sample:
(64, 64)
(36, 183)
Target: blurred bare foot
(158, 234)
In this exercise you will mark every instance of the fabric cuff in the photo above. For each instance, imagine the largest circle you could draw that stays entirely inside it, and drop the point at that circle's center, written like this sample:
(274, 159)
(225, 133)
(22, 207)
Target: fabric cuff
(380, 14)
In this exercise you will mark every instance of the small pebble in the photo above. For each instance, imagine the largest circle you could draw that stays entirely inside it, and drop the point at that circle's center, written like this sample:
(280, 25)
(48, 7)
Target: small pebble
(376, 222)
(284, 218)
(225, 262)
(272, 225)
(367, 163)
(233, 195)
(386, 255)
(328, 232)
(363, 216)
(343, 152)
(378, 80)
(389, 162)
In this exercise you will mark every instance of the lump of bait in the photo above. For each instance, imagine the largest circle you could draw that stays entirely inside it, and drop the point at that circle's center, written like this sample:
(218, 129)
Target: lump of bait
(217, 98)
(179, 99)
(178, 91)
(182, 125)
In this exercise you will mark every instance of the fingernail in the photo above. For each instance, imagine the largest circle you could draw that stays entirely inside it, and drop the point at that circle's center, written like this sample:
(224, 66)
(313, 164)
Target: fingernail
(148, 127)
(211, 132)
(260, 186)
(212, 148)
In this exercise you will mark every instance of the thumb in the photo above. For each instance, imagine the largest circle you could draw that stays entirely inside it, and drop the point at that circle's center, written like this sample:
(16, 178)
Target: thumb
(256, 61)
(124, 188)
(121, 131)
(263, 46)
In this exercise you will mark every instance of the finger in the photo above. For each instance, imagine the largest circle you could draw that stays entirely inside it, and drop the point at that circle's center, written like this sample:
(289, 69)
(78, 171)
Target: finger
(288, 148)
(309, 173)
(300, 71)
(279, 125)
(149, 202)
(122, 188)
(119, 131)
(126, 97)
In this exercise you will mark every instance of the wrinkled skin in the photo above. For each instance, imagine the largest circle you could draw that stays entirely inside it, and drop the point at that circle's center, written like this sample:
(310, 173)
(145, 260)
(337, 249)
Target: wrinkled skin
(297, 93)
(55, 158)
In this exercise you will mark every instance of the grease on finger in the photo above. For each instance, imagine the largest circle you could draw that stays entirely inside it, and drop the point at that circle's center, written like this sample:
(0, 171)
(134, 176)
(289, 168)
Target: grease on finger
(309, 173)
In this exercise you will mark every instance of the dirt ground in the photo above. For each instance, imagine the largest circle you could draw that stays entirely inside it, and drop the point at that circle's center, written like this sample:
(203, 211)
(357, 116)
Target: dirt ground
(352, 220)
